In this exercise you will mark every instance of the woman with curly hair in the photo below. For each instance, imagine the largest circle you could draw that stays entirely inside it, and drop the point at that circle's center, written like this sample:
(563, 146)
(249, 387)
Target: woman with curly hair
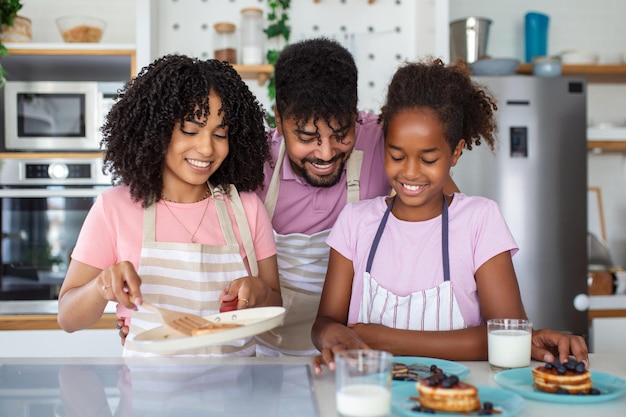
(182, 228)
(420, 273)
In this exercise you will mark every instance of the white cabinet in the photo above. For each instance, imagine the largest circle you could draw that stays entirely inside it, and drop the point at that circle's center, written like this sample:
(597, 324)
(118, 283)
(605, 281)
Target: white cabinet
(607, 331)
(608, 335)
(57, 343)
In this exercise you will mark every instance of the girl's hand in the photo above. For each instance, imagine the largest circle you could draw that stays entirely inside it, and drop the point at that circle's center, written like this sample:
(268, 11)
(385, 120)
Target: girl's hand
(120, 283)
(336, 338)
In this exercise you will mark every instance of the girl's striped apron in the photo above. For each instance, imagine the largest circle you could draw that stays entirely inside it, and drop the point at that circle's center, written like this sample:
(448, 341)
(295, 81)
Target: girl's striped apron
(432, 309)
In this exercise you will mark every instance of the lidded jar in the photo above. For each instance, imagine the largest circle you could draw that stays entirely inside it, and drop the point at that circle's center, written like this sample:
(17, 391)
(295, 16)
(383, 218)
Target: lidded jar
(252, 36)
(225, 42)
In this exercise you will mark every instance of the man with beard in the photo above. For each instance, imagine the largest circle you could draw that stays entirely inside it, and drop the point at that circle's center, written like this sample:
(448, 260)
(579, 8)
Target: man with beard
(325, 153)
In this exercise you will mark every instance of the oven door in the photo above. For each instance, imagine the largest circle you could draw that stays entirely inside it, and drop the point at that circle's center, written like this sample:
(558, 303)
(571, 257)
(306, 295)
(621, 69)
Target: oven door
(40, 226)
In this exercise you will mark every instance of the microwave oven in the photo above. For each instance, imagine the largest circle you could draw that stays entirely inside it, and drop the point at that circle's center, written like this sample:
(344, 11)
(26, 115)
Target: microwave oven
(56, 115)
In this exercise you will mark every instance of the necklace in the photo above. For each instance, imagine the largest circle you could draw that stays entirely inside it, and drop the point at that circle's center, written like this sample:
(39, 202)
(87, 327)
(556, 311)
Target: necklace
(193, 235)
(206, 195)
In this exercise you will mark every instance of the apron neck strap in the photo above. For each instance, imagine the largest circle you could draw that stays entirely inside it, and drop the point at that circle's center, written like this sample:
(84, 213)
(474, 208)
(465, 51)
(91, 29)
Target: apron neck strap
(444, 238)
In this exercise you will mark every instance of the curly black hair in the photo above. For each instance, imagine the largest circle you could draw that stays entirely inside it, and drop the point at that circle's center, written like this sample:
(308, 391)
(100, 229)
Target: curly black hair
(317, 78)
(465, 109)
(175, 88)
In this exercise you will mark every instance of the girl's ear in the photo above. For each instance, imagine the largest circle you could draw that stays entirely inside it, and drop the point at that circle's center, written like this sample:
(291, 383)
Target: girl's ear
(279, 125)
(458, 151)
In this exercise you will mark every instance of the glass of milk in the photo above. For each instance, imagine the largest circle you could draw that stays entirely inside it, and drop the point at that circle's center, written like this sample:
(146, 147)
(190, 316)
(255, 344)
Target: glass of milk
(363, 381)
(509, 342)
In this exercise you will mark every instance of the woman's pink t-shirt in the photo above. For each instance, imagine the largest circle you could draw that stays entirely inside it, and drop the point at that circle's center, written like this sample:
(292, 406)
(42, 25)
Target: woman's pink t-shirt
(112, 231)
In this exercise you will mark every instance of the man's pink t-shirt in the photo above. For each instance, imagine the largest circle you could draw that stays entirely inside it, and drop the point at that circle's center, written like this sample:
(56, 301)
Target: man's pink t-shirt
(409, 259)
(112, 231)
(303, 208)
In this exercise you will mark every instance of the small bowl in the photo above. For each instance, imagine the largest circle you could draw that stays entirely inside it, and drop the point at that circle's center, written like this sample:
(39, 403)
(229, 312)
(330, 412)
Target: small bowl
(81, 28)
(579, 57)
(546, 66)
(495, 66)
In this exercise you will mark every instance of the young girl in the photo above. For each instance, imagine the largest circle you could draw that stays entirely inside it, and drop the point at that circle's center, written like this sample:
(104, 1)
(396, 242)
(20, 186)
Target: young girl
(183, 139)
(420, 273)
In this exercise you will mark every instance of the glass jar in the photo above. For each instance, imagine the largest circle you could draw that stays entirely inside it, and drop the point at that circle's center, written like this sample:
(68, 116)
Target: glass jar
(225, 42)
(252, 36)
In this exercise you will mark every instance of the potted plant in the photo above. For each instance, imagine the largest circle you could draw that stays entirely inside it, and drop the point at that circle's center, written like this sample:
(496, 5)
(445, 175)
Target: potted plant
(8, 13)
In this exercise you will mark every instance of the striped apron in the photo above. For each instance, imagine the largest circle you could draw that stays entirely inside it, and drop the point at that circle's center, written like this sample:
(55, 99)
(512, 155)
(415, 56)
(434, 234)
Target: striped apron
(189, 277)
(302, 264)
(432, 309)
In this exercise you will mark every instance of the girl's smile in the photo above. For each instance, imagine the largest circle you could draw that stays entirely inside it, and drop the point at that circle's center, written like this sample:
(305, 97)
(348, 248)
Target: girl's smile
(417, 162)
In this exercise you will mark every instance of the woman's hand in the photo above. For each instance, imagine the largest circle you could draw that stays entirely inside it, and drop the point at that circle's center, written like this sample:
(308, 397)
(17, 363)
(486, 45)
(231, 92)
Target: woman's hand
(120, 283)
(548, 345)
(248, 292)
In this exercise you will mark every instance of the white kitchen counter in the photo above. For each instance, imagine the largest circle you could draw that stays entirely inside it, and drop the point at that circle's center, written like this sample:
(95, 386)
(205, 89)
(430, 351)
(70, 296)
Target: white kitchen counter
(271, 390)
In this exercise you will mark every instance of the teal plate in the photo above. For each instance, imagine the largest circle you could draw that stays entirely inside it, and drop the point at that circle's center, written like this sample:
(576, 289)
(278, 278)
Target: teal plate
(507, 402)
(521, 381)
(422, 367)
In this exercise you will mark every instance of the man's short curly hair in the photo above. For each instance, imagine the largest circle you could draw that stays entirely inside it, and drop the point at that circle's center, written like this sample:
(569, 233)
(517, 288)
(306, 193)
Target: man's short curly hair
(175, 88)
(465, 109)
(317, 78)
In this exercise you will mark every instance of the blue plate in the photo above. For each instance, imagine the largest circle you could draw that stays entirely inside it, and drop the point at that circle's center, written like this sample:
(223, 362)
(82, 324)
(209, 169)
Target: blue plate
(507, 402)
(422, 365)
(521, 381)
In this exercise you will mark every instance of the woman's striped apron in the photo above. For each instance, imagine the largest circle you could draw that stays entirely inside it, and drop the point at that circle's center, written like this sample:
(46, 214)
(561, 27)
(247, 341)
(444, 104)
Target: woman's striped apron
(189, 277)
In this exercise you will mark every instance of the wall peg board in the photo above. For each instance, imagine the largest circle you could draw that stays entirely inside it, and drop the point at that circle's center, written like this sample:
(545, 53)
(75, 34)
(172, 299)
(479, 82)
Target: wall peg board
(381, 34)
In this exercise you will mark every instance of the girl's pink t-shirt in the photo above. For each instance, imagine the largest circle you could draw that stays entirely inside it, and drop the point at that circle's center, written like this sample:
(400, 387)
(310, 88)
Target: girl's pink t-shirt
(409, 258)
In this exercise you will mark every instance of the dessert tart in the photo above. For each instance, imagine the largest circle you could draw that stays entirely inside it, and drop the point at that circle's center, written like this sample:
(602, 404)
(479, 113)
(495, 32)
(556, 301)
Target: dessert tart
(567, 378)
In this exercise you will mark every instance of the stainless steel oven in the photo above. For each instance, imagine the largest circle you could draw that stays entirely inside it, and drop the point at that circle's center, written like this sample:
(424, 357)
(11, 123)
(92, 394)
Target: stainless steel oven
(43, 203)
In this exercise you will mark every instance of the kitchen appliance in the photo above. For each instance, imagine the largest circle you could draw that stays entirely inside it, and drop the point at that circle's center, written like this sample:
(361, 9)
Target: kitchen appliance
(468, 38)
(56, 115)
(43, 203)
(538, 176)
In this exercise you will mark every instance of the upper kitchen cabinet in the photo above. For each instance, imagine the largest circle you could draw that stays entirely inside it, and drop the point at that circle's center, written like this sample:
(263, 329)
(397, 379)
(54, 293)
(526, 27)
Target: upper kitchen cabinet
(75, 62)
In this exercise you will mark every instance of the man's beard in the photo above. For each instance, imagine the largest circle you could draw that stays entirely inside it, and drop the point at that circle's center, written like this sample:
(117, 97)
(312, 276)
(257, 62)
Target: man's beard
(324, 181)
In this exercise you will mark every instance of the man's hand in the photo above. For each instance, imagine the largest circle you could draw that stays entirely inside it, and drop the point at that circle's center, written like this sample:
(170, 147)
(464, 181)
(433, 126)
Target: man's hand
(548, 345)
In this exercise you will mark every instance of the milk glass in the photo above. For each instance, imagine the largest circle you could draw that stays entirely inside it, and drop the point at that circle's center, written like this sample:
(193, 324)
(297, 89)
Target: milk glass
(509, 342)
(363, 381)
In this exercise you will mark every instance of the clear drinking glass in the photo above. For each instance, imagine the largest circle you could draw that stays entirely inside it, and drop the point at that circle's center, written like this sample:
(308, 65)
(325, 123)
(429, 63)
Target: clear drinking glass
(363, 383)
(509, 342)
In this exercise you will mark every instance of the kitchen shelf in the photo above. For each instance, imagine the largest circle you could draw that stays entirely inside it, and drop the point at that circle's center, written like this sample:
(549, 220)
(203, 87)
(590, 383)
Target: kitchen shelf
(606, 145)
(48, 55)
(595, 73)
(261, 72)
(606, 139)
